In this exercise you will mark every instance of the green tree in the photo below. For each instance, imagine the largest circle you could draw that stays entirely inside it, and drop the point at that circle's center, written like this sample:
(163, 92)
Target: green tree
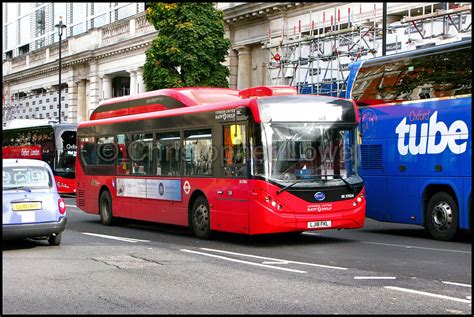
(189, 48)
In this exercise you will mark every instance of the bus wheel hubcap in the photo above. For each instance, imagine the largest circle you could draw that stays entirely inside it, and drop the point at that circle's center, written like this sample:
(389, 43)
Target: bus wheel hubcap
(201, 217)
(442, 216)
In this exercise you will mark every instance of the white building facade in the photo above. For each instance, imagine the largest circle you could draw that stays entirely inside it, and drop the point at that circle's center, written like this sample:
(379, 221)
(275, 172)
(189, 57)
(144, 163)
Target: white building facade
(104, 44)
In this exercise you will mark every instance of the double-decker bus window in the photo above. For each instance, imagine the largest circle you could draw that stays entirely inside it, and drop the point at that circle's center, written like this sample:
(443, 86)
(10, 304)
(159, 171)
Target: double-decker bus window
(198, 152)
(123, 161)
(106, 151)
(87, 153)
(140, 150)
(167, 153)
(235, 146)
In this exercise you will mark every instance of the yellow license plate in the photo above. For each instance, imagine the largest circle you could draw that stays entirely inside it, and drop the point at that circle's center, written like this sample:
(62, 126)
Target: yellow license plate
(26, 206)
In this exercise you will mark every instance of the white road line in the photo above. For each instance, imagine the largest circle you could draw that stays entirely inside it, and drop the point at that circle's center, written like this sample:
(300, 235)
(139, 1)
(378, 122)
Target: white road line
(244, 262)
(413, 247)
(398, 245)
(428, 294)
(72, 206)
(375, 277)
(115, 238)
(457, 284)
(273, 259)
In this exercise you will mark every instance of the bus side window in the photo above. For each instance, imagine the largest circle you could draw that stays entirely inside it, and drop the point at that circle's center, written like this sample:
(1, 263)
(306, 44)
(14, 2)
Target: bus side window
(123, 162)
(87, 151)
(167, 153)
(235, 150)
(141, 154)
(198, 152)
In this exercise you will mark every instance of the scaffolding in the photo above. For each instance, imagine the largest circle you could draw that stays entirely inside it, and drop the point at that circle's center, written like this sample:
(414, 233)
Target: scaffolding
(315, 57)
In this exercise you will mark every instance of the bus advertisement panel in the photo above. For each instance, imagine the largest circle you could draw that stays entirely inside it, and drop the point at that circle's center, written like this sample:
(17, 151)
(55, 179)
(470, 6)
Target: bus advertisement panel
(50, 142)
(262, 160)
(416, 128)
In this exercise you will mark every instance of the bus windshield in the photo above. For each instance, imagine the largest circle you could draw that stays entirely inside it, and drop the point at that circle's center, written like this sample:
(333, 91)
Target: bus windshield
(66, 152)
(311, 152)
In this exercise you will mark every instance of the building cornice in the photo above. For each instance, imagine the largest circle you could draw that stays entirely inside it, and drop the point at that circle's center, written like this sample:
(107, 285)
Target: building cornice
(116, 49)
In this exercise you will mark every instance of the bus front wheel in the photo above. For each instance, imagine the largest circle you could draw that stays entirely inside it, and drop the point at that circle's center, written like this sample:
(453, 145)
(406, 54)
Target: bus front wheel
(105, 209)
(442, 216)
(200, 218)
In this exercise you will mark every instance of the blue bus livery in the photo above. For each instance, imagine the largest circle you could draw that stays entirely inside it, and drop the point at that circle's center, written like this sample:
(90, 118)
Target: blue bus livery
(416, 132)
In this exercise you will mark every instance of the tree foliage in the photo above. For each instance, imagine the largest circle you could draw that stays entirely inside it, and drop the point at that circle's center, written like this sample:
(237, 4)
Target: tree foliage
(189, 48)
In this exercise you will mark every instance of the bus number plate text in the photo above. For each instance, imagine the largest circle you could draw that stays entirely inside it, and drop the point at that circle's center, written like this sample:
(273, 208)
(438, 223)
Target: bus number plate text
(319, 224)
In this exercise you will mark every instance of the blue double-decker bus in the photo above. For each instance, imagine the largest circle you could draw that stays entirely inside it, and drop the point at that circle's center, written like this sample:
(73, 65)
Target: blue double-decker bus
(416, 133)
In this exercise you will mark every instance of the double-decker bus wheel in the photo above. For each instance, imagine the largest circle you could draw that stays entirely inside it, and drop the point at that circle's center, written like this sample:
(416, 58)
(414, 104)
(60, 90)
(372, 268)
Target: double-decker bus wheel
(105, 209)
(442, 216)
(200, 218)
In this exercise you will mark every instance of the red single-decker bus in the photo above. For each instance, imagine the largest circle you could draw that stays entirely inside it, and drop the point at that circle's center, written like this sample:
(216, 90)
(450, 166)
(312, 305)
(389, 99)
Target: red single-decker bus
(257, 161)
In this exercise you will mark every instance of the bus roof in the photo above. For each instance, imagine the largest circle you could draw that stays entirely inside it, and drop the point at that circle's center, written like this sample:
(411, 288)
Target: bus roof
(161, 100)
(172, 98)
(419, 52)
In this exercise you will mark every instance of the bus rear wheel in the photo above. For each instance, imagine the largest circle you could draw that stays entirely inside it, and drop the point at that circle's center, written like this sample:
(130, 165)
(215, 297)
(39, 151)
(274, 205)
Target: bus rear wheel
(200, 218)
(105, 209)
(442, 216)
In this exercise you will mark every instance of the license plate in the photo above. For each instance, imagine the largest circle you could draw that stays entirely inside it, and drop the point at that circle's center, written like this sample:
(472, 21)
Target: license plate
(319, 224)
(26, 206)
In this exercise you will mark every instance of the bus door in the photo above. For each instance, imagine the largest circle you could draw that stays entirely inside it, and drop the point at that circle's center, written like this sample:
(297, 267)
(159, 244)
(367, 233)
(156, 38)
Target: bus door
(232, 190)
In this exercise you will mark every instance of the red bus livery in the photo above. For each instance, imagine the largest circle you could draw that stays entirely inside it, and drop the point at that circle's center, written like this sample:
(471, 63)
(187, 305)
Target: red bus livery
(257, 161)
(47, 141)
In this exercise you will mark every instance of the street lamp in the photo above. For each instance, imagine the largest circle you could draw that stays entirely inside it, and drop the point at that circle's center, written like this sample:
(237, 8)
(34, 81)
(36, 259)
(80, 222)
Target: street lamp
(60, 27)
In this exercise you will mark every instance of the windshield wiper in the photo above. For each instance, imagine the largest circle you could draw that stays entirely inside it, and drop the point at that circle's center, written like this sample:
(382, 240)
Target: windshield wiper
(294, 183)
(351, 187)
(19, 187)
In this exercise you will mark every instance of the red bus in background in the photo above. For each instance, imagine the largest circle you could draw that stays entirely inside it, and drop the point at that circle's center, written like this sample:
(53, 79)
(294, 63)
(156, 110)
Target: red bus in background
(51, 142)
(257, 161)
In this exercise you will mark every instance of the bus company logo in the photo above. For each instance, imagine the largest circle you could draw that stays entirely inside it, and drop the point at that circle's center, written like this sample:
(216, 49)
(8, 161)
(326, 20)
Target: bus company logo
(186, 187)
(95, 183)
(319, 196)
(225, 115)
(161, 189)
(320, 207)
(455, 136)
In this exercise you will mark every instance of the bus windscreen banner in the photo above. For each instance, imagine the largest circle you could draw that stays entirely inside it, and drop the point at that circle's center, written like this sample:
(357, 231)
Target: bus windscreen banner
(164, 189)
(23, 151)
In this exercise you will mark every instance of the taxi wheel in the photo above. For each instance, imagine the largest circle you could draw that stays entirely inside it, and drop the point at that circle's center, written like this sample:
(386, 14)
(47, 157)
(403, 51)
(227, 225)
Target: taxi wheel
(105, 209)
(55, 239)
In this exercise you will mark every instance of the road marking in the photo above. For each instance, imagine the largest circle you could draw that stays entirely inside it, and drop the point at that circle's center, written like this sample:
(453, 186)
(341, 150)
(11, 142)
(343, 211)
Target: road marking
(413, 247)
(457, 284)
(276, 262)
(244, 262)
(273, 259)
(375, 277)
(72, 206)
(428, 294)
(399, 245)
(115, 238)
